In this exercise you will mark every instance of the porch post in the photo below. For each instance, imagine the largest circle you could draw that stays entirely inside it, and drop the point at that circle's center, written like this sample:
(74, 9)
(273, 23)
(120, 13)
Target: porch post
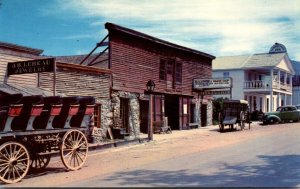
(285, 99)
(291, 81)
(285, 79)
(279, 79)
(271, 91)
(279, 99)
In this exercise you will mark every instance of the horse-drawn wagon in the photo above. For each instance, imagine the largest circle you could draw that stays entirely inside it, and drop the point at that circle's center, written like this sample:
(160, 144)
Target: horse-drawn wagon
(234, 112)
(34, 127)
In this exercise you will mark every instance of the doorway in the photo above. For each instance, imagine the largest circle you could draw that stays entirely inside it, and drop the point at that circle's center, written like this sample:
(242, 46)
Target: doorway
(203, 115)
(172, 111)
(144, 111)
(124, 114)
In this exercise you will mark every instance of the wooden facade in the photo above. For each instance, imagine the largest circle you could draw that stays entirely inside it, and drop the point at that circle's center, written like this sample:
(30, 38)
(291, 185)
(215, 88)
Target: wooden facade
(135, 58)
(13, 53)
(70, 79)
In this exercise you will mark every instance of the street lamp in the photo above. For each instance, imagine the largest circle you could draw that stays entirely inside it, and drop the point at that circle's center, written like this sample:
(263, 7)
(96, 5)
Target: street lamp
(150, 86)
(150, 89)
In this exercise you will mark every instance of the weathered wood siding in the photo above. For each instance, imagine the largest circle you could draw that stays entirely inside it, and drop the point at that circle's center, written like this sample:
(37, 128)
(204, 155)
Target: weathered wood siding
(73, 81)
(135, 61)
(22, 79)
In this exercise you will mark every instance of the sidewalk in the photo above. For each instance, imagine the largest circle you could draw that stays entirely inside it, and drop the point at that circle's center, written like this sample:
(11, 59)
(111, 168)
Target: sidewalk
(158, 138)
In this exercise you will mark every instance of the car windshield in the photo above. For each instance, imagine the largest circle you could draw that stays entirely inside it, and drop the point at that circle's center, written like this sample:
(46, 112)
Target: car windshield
(298, 107)
(278, 109)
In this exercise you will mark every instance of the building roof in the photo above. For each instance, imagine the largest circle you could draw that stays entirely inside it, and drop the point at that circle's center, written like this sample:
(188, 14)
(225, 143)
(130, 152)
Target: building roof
(111, 26)
(248, 61)
(19, 48)
(24, 90)
(76, 59)
(296, 66)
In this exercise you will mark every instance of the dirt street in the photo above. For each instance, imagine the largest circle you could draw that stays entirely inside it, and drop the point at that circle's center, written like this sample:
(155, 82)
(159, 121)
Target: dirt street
(164, 146)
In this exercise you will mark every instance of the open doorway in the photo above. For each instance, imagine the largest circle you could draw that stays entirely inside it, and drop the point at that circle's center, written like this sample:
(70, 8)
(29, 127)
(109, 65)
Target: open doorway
(203, 115)
(172, 111)
(144, 111)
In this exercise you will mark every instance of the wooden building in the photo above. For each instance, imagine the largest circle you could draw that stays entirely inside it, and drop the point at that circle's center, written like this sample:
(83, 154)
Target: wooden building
(70, 80)
(134, 58)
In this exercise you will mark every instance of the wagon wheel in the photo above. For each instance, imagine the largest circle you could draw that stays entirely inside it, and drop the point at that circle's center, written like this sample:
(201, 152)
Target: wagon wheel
(74, 149)
(242, 120)
(39, 162)
(221, 125)
(14, 162)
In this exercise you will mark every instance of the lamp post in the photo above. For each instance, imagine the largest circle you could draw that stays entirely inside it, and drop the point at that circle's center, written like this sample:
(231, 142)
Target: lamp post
(150, 89)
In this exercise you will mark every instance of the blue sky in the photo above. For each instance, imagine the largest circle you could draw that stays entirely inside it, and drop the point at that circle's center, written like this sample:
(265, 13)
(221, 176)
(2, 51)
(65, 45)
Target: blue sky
(217, 27)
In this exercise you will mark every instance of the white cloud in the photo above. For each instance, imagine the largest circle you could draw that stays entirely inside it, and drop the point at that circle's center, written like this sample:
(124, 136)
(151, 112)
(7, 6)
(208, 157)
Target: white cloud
(219, 26)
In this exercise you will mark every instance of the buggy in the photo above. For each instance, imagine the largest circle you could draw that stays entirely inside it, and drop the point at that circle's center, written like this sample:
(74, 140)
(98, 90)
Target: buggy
(234, 112)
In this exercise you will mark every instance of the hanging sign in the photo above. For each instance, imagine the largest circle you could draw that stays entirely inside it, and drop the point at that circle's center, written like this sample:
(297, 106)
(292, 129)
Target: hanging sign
(213, 83)
(31, 66)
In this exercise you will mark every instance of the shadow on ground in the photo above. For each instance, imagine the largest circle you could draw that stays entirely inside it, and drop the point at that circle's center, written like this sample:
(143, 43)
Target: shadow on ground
(275, 171)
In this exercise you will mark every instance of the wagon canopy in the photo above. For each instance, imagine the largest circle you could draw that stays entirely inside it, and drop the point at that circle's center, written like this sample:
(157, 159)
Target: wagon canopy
(236, 101)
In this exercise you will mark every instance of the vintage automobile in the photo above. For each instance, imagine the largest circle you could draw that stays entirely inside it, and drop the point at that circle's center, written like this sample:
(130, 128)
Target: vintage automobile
(282, 114)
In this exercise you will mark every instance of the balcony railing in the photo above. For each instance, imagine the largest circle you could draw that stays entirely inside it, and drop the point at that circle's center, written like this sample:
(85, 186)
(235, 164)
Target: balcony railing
(259, 84)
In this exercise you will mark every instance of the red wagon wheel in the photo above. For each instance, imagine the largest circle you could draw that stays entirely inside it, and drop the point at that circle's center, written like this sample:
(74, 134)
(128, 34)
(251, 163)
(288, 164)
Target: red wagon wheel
(74, 149)
(14, 162)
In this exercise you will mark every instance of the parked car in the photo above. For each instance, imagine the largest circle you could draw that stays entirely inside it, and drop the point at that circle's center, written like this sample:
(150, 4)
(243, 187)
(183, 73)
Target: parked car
(282, 114)
(298, 106)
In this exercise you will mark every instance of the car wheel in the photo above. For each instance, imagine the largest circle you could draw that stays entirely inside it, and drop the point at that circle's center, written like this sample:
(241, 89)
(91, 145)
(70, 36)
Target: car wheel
(272, 121)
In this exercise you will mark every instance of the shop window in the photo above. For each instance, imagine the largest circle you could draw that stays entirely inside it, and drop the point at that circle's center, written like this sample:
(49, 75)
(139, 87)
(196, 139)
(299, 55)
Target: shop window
(97, 116)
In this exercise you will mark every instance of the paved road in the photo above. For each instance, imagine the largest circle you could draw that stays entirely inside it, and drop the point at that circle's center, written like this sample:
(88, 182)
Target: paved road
(265, 156)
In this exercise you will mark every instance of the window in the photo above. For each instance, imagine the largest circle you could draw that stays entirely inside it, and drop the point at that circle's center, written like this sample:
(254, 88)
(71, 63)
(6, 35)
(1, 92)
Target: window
(225, 74)
(97, 116)
(169, 70)
(178, 74)
(162, 70)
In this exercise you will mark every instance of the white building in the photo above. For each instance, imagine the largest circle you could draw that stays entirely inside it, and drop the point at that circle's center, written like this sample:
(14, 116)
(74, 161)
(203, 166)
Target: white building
(296, 82)
(264, 80)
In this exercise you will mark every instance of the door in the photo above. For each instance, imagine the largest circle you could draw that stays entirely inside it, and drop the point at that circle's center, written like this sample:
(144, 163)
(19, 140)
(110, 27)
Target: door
(203, 115)
(184, 112)
(289, 113)
(172, 111)
(124, 114)
(144, 109)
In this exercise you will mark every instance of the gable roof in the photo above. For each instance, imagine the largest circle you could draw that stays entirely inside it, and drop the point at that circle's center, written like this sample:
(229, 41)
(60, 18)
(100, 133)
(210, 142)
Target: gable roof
(229, 62)
(263, 60)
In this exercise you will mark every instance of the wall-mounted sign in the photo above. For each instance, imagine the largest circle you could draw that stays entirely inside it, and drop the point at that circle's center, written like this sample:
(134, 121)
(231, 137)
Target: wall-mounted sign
(213, 83)
(215, 92)
(31, 66)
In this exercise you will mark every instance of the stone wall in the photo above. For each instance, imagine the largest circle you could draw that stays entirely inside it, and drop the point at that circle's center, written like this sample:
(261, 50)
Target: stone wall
(209, 113)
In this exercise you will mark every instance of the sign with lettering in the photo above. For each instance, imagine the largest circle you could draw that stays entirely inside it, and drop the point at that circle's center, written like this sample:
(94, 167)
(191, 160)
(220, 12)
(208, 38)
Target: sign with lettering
(215, 92)
(213, 83)
(31, 66)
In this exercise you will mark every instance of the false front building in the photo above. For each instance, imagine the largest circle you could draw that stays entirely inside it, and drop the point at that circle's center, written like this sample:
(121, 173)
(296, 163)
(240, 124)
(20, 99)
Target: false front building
(134, 59)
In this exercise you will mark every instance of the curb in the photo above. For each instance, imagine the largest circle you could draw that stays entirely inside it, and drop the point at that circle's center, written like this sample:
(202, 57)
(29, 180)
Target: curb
(99, 146)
